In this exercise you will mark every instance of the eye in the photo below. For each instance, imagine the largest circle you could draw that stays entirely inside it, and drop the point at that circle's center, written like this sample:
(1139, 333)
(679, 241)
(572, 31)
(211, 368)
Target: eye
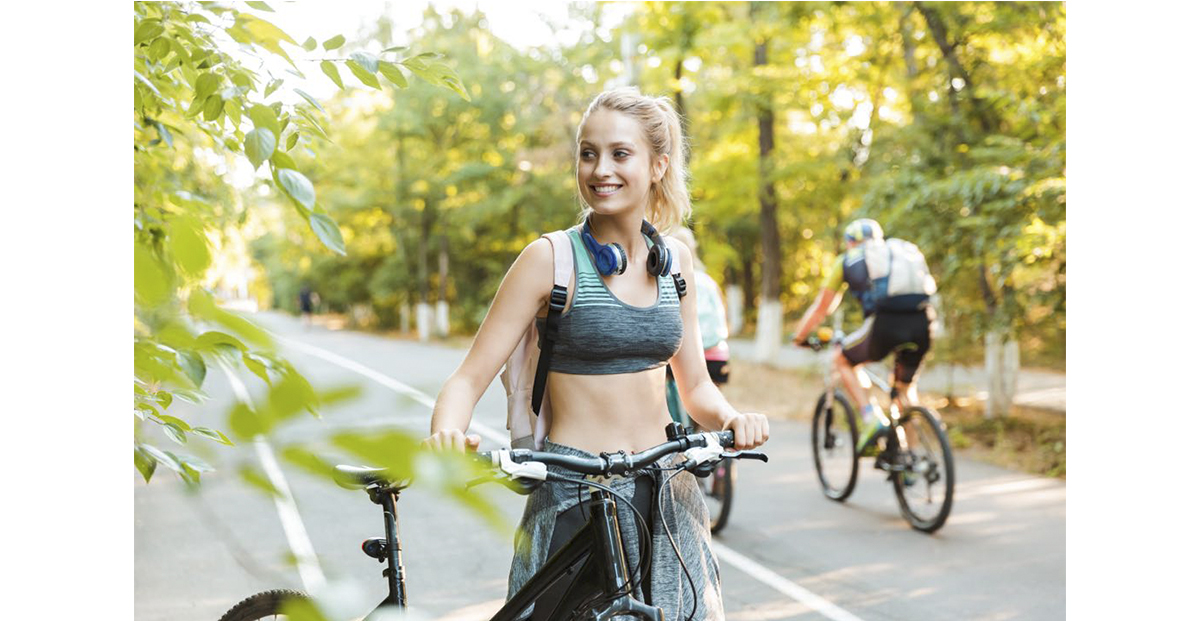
(586, 154)
(621, 153)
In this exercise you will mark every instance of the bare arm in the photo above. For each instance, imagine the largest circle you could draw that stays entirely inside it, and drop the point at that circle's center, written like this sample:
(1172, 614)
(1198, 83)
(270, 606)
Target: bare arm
(820, 308)
(702, 399)
(523, 292)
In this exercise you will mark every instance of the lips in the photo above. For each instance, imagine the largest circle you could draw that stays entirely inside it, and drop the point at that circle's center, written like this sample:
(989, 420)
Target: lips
(605, 190)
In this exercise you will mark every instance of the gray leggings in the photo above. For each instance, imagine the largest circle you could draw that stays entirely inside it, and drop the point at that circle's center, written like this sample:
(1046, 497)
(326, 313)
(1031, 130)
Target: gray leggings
(552, 516)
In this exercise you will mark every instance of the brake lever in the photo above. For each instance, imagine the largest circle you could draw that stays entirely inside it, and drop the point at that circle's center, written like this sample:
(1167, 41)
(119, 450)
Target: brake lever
(745, 455)
(519, 485)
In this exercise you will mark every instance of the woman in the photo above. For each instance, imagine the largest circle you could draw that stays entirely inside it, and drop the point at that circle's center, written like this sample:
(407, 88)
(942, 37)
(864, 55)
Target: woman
(614, 338)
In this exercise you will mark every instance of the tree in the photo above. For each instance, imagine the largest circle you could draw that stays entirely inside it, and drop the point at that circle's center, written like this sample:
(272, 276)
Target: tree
(198, 109)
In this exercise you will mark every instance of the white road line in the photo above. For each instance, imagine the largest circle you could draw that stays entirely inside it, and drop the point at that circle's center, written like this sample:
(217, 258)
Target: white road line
(815, 602)
(289, 516)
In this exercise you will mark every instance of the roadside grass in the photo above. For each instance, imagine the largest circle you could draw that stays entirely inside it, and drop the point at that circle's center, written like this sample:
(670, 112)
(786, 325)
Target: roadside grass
(1029, 440)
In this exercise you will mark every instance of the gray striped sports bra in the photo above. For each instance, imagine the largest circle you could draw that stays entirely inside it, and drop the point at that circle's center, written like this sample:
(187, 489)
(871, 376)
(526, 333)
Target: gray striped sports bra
(601, 335)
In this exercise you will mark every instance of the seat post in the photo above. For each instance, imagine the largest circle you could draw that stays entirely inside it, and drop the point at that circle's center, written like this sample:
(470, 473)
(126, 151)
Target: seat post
(397, 594)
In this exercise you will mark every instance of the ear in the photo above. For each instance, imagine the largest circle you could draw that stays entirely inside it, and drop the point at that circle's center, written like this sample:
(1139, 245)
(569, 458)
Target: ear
(660, 167)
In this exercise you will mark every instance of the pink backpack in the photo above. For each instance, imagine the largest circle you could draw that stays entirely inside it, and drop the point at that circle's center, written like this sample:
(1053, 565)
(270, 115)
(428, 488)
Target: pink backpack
(524, 375)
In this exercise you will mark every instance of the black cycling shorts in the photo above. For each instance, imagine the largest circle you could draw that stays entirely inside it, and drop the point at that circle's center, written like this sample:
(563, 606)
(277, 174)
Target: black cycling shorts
(907, 334)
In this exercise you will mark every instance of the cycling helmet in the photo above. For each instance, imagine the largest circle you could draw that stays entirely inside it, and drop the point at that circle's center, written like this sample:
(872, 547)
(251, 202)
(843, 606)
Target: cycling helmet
(863, 229)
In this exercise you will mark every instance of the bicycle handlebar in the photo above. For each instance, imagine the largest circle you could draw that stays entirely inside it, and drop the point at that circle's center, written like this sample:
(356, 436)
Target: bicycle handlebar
(607, 464)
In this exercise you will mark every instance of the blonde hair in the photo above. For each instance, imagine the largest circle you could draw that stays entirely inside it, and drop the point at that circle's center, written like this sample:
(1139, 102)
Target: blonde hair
(670, 203)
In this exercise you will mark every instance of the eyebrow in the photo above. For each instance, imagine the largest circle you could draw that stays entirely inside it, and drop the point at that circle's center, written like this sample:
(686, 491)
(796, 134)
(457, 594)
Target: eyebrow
(619, 143)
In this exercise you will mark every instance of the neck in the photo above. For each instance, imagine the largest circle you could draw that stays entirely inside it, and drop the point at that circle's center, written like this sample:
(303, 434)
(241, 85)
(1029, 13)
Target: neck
(624, 229)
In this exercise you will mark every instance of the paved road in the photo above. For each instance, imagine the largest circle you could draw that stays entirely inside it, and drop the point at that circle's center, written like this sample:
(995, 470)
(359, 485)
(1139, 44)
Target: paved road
(1045, 390)
(1001, 556)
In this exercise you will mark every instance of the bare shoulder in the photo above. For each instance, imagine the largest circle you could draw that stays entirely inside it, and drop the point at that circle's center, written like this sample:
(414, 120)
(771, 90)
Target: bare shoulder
(681, 253)
(533, 271)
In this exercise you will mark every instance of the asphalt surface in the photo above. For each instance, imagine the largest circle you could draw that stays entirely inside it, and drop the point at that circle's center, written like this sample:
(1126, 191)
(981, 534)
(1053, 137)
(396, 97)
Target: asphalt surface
(1002, 554)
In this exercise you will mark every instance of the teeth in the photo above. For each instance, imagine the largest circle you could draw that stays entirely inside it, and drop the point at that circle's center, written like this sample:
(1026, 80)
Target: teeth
(606, 188)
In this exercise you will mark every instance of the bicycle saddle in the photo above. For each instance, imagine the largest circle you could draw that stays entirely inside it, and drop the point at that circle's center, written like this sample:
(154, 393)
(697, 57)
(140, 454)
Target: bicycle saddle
(359, 477)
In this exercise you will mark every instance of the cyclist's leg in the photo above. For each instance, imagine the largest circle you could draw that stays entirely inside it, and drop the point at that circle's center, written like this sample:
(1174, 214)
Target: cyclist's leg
(849, 360)
(909, 355)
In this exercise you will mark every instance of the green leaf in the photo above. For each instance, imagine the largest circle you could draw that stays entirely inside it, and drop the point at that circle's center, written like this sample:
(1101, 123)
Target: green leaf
(262, 6)
(212, 339)
(206, 84)
(398, 48)
(366, 60)
(159, 48)
(195, 397)
(148, 29)
(265, 117)
(164, 134)
(283, 160)
(331, 70)
(213, 434)
(272, 87)
(257, 365)
(144, 462)
(213, 107)
(188, 245)
(297, 186)
(260, 145)
(327, 231)
(244, 423)
(310, 99)
(364, 76)
(234, 111)
(310, 44)
(150, 282)
(393, 74)
(183, 426)
(164, 398)
(291, 141)
(193, 366)
(334, 43)
(162, 457)
(175, 434)
(258, 481)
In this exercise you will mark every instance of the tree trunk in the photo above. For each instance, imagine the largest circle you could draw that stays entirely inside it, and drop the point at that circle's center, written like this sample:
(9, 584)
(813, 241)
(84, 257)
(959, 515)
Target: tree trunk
(770, 315)
(734, 302)
(1001, 360)
(443, 307)
(424, 312)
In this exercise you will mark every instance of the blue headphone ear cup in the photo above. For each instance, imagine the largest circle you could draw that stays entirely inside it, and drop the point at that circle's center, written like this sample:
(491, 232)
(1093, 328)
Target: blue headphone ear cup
(619, 256)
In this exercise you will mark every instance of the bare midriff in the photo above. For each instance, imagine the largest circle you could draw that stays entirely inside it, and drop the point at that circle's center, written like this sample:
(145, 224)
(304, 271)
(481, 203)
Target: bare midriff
(609, 413)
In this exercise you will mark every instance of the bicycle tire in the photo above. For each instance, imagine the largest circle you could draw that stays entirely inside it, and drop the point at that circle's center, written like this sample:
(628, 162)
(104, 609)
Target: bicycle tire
(824, 420)
(265, 605)
(720, 486)
(944, 470)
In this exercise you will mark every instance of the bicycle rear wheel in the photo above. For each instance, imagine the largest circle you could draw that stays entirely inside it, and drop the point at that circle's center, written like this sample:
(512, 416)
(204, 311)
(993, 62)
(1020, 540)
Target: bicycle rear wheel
(834, 436)
(925, 483)
(265, 605)
(718, 493)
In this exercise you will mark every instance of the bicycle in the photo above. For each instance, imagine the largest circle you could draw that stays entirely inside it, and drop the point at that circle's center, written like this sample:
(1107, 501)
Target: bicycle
(600, 589)
(718, 486)
(916, 457)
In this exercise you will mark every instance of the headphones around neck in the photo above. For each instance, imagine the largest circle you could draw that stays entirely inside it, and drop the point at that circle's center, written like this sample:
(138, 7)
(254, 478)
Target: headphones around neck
(611, 258)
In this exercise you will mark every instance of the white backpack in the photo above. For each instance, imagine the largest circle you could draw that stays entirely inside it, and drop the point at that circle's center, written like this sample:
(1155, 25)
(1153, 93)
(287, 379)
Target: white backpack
(520, 376)
(899, 276)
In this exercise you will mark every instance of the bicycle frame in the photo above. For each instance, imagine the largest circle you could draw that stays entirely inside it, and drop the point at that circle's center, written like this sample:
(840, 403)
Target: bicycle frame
(598, 544)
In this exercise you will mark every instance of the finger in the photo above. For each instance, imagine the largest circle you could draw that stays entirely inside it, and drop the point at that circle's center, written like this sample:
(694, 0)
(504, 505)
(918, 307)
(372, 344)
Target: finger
(459, 442)
(473, 441)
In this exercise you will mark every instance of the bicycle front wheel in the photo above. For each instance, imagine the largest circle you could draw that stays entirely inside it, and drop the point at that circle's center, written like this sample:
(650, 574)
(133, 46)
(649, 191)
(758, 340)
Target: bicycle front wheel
(266, 605)
(718, 493)
(924, 482)
(834, 436)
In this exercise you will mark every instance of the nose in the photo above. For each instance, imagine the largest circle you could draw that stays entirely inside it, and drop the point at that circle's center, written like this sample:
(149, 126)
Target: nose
(603, 166)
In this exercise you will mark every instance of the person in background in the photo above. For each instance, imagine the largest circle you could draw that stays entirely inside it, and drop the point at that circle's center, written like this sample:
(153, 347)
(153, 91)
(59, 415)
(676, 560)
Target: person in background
(714, 328)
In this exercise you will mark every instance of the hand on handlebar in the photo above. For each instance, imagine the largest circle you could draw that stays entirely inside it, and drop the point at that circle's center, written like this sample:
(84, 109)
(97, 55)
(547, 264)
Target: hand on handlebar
(454, 440)
(750, 430)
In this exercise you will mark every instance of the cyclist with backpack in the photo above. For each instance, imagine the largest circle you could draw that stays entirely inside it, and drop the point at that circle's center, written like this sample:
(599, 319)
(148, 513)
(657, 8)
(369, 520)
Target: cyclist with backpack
(620, 317)
(890, 279)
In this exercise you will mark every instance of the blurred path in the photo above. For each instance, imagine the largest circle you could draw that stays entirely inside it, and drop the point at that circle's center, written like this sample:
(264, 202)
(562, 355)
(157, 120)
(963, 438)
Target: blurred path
(1046, 390)
(1001, 555)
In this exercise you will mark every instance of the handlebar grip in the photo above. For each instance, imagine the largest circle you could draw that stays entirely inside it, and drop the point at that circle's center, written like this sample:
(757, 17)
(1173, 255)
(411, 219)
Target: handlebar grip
(726, 438)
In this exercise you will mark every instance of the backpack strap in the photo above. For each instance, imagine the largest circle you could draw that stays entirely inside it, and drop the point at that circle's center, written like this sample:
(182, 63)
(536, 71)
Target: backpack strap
(677, 276)
(563, 266)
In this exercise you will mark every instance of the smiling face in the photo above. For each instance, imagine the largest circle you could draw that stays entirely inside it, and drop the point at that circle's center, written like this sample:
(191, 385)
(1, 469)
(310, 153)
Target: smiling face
(616, 164)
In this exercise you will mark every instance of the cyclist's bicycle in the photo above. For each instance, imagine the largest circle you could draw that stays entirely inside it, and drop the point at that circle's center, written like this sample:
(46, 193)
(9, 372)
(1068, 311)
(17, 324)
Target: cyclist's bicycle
(916, 457)
(600, 588)
(718, 486)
